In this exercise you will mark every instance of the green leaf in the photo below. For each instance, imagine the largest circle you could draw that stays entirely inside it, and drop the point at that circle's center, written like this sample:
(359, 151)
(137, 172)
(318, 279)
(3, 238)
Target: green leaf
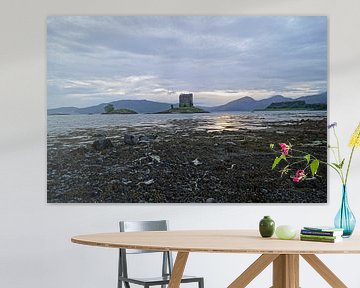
(272, 146)
(339, 166)
(336, 165)
(307, 157)
(314, 166)
(342, 163)
(277, 161)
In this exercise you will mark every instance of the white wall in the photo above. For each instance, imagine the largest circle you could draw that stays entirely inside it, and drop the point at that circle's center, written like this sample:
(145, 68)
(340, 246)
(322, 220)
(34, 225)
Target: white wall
(35, 248)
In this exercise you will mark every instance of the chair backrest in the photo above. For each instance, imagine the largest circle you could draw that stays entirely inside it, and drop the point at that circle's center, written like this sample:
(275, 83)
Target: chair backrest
(134, 226)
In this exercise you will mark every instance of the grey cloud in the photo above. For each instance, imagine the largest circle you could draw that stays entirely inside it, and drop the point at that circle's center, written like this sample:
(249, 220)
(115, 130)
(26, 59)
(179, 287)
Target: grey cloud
(234, 53)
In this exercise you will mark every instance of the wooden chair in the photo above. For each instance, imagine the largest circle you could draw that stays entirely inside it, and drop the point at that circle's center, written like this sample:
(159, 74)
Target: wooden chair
(167, 263)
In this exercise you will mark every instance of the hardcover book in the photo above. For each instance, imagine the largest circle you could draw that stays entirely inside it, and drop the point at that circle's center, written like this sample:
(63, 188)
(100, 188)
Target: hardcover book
(319, 237)
(328, 240)
(321, 233)
(323, 228)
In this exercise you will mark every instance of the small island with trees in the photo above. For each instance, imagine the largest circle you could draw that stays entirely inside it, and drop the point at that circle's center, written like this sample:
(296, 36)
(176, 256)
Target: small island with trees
(110, 109)
(294, 105)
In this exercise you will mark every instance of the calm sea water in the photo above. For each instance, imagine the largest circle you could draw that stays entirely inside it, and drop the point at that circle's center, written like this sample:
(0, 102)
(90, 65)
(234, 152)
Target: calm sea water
(212, 121)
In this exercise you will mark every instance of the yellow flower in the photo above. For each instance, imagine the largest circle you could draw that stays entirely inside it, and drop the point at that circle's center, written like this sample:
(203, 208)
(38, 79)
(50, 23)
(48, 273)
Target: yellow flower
(355, 138)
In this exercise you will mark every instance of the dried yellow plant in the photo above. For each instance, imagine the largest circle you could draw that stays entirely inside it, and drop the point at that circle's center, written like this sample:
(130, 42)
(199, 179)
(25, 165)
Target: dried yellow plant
(355, 137)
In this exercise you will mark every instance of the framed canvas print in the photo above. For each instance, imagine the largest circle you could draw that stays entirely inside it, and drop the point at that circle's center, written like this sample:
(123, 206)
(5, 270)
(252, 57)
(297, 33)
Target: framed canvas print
(184, 109)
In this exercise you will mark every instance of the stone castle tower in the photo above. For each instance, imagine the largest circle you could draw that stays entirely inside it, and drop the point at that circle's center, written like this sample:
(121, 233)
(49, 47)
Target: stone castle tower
(186, 100)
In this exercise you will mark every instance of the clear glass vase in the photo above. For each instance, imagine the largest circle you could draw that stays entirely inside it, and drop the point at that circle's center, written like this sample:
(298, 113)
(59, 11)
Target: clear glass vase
(345, 219)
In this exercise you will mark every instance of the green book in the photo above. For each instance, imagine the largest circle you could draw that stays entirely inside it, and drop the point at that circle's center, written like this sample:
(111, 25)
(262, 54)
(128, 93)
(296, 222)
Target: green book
(319, 236)
(325, 240)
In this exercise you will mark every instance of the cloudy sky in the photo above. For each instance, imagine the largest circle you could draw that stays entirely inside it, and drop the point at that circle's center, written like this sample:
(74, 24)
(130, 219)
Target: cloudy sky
(99, 59)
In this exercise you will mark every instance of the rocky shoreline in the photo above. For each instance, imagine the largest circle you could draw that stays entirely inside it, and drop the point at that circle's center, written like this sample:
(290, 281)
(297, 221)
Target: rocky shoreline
(179, 163)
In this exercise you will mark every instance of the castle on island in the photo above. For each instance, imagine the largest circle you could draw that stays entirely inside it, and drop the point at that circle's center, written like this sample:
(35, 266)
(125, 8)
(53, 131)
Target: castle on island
(186, 100)
(186, 105)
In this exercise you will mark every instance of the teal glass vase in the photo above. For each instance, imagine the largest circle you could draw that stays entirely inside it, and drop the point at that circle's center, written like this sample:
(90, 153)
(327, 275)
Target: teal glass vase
(345, 219)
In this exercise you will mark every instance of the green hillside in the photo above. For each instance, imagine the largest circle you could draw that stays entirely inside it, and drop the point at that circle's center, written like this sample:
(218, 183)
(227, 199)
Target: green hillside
(294, 105)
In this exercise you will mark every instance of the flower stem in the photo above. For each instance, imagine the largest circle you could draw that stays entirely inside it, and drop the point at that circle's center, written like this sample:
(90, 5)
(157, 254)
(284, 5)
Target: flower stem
(348, 166)
(350, 159)
(339, 155)
(338, 145)
(333, 152)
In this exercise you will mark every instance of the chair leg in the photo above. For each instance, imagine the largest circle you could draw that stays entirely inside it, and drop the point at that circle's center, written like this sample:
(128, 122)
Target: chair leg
(119, 270)
(201, 283)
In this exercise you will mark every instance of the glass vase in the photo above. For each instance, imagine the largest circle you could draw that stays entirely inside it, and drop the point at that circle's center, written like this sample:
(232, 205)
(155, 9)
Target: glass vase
(345, 219)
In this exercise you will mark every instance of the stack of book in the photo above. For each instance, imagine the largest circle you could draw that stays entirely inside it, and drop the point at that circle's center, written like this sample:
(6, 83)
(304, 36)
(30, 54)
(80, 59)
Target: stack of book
(321, 234)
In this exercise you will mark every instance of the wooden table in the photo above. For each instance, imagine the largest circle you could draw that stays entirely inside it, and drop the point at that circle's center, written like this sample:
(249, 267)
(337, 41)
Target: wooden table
(284, 254)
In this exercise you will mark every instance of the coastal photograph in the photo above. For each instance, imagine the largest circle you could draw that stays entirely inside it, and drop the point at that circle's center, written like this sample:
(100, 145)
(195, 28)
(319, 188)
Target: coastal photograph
(186, 109)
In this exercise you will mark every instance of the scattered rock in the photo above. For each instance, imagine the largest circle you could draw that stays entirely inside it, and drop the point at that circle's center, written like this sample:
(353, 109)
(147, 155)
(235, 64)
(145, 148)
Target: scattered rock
(140, 159)
(232, 166)
(126, 182)
(155, 158)
(131, 139)
(149, 182)
(102, 144)
(97, 192)
(147, 138)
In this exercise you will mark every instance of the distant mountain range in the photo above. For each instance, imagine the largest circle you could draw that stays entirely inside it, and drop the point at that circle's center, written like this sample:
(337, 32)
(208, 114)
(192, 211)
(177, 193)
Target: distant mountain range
(146, 106)
(250, 104)
(140, 106)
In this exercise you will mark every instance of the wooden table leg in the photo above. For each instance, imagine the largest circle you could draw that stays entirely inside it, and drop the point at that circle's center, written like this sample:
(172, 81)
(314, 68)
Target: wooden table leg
(178, 269)
(286, 271)
(324, 271)
(253, 270)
